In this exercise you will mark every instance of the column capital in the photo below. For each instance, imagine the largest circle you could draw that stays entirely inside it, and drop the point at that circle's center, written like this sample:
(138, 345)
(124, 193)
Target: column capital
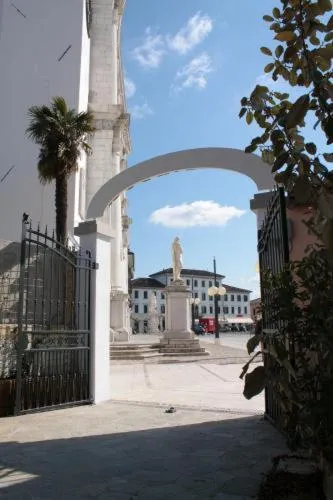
(94, 227)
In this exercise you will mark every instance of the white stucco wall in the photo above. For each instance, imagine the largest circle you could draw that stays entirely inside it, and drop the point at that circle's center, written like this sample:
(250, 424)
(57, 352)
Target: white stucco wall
(31, 74)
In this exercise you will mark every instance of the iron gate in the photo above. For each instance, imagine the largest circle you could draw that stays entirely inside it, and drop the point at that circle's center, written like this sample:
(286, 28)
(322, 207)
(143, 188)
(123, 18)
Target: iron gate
(273, 249)
(53, 358)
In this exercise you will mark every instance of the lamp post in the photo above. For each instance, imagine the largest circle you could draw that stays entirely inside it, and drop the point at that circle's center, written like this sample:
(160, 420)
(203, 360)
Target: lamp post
(194, 303)
(216, 291)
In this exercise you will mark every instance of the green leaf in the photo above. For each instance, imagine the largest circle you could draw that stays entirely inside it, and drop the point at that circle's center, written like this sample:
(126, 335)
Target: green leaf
(327, 126)
(314, 40)
(285, 36)
(276, 12)
(280, 161)
(326, 52)
(253, 342)
(251, 148)
(269, 67)
(242, 112)
(329, 37)
(254, 382)
(328, 157)
(243, 101)
(266, 51)
(325, 5)
(269, 19)
(290, 52)
(311, 148)
(293, 78)
(279, 51)
(298, 111)
(249, 117)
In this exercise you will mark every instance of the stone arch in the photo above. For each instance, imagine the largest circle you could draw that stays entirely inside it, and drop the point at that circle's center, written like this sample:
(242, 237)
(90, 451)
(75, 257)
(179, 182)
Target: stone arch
(234, 160)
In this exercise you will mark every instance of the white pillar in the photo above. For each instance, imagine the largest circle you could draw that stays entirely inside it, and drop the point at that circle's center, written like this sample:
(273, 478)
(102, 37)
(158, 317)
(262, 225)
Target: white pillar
(95, 236)
(259, 205)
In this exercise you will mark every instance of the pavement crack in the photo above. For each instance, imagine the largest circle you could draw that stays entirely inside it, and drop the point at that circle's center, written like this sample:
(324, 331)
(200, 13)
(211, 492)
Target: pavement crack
(213, 373)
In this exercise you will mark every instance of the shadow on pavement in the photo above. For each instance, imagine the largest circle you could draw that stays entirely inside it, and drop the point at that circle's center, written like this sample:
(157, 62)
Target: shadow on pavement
(213, 460)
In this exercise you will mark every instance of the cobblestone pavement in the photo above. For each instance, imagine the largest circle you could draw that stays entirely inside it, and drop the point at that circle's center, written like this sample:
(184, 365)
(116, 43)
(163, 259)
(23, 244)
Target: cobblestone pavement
(121, 451)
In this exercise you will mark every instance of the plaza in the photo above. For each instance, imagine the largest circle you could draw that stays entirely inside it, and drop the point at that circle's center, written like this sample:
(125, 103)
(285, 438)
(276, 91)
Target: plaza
(216, 445)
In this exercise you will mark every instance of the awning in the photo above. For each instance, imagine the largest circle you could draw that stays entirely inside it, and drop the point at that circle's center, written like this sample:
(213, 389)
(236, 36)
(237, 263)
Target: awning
(240, 320)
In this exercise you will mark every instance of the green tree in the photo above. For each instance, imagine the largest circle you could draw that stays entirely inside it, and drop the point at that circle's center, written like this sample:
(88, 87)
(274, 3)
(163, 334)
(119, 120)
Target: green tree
(302, 57)
(61, 133)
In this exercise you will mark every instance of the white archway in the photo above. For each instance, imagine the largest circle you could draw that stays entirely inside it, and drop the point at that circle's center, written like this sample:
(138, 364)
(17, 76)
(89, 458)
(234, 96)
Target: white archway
(234, 160)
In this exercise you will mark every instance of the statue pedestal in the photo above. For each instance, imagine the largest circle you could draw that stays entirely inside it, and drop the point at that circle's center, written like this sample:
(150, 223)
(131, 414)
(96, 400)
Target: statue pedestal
(179, 340)
(177, 312)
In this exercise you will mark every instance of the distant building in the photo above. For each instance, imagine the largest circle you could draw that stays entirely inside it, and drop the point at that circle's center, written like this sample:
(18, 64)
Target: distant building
(234, 307)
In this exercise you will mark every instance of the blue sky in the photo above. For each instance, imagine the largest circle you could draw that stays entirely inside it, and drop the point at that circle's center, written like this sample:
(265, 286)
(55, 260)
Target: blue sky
(187, 65)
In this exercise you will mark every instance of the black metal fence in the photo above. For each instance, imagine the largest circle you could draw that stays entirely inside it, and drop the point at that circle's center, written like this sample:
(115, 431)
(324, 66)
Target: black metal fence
(273, 249)
(53, 323)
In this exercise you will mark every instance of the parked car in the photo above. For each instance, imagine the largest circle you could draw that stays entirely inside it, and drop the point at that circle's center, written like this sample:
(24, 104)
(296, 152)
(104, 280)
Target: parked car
(199, 330)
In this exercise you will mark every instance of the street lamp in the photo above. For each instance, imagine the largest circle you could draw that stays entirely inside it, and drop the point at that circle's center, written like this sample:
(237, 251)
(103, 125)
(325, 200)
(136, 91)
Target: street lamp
(216, 291)
(194, 303)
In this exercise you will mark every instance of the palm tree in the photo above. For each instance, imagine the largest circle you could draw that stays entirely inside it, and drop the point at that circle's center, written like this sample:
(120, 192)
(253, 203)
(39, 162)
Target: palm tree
(61, 133)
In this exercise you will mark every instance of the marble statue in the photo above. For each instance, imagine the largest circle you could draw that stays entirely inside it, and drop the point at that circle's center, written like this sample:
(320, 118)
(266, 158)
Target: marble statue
(177, 261)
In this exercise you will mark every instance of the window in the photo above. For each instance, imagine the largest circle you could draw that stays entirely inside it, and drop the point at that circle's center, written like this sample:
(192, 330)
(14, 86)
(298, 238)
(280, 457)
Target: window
(145, 309)
(145, 294)
(239, 298)
(136, 294)
(162, 296)
(163, 309)
(226, 297)
(203, 296)
(211, 310)
(219, 310)
(245, 310)
(203, 284)
(232, 310)
(195, 295)
(136, 309)
(246, 298)
(210, 297)
(188, 282)
(232, 298)
(226, 310)
(210, 283)
(239, 310)
(204, 310)
(195, 282)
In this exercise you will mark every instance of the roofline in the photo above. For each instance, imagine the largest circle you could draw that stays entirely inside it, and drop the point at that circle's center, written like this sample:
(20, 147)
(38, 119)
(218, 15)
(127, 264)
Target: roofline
(169, 271)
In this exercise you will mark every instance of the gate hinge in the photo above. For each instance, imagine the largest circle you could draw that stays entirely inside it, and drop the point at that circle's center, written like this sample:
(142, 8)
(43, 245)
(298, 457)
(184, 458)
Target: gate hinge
(95, 265)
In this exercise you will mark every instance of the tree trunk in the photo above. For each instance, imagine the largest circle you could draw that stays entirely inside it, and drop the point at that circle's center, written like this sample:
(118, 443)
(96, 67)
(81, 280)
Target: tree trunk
(61, 208)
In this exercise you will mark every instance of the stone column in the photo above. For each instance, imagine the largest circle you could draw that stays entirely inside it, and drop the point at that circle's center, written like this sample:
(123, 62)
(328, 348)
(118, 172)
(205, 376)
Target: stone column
(258, 205)
(95, 236)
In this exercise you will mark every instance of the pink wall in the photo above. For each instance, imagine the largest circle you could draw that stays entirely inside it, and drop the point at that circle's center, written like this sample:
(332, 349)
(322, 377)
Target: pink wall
(300, 236)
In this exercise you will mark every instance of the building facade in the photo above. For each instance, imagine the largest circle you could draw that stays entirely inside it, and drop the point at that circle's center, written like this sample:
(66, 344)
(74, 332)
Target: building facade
(84, 66)
(234, 307)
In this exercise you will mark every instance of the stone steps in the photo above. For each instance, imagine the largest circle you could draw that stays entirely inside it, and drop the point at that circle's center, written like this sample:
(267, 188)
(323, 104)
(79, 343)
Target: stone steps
(165, 350)
(133, 352)
(184, 354)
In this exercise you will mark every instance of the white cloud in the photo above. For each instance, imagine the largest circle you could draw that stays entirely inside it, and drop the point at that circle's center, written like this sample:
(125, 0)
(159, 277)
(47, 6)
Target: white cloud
(194, 32)
(150, 53)
(194, 74)
(197, 213)
(140, 111)
(130, 87)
